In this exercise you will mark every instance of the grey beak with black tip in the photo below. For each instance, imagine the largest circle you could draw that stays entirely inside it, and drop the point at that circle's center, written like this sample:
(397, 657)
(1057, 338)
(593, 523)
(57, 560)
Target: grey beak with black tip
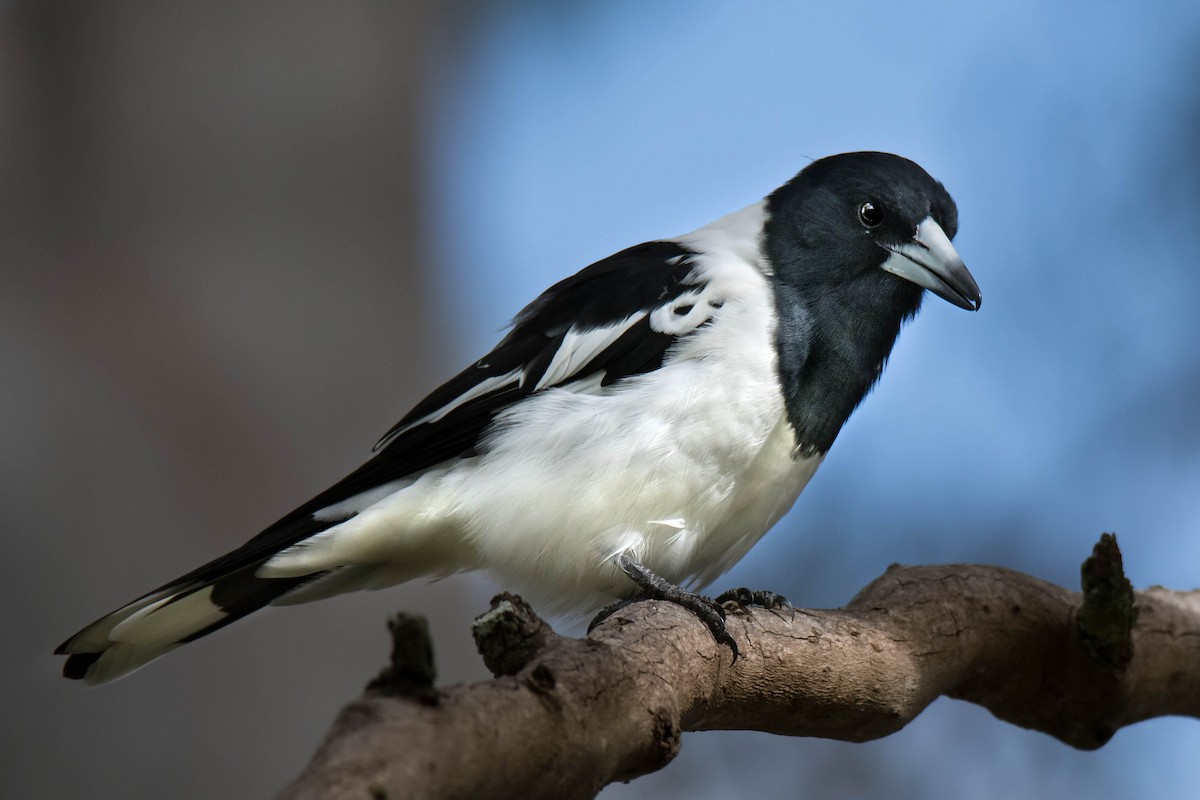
(931, 262)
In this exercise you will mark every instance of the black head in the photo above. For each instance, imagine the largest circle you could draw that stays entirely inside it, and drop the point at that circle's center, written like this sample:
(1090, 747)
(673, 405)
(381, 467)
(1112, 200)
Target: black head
(851, 242)
(844, 217)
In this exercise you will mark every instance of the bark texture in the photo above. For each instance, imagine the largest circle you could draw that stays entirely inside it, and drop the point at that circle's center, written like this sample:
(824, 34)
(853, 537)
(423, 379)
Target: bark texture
(564, 717)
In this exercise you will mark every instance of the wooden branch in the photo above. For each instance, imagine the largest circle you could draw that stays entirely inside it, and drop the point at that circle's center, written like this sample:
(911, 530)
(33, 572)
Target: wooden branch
(566, 716)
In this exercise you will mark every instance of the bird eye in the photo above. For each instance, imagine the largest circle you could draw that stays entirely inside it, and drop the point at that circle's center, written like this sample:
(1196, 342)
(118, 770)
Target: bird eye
(869, 215)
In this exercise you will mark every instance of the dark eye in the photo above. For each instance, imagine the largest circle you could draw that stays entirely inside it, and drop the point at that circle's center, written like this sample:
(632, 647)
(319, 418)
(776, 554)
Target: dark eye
(870, 215)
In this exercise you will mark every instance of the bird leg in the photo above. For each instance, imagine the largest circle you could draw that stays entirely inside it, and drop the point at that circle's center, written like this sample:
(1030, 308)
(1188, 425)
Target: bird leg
(653, 587)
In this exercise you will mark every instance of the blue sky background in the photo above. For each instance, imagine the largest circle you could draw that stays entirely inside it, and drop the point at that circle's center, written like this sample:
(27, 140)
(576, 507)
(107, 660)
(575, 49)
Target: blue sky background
(1068, 135)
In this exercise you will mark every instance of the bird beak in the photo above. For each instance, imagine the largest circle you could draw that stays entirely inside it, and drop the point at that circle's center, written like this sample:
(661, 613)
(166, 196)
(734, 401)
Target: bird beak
(930, 261)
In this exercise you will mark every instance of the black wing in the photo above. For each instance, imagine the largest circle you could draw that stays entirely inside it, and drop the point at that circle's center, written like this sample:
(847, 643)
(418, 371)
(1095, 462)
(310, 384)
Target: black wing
(593, 328)
(614, 319)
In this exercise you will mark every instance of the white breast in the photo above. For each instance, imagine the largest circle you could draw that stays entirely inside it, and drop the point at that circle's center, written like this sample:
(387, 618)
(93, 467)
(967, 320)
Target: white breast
(686, 467)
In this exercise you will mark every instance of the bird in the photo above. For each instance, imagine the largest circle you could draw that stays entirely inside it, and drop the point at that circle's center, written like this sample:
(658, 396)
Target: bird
(641, 425)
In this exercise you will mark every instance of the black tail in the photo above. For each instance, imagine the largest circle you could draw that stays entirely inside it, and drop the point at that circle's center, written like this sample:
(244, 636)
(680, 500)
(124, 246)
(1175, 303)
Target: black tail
(194, 605)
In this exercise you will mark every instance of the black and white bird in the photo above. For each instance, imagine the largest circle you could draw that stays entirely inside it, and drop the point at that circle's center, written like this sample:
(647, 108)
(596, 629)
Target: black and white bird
(642, 425)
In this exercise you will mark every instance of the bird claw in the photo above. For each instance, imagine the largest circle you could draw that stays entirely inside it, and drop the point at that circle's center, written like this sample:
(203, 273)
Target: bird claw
(712, 614)
(741, 599)
(609, 610)
(724, 638)
(653, 587)
(708, 611)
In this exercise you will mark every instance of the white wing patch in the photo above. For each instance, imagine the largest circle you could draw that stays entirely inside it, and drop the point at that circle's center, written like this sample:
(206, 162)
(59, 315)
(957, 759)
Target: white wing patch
(678, 316)
(580, 347)
(683, 314)
(485, 386)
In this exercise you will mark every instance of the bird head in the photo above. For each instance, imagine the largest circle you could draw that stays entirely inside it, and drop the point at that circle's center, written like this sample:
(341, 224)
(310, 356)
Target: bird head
(871, 229)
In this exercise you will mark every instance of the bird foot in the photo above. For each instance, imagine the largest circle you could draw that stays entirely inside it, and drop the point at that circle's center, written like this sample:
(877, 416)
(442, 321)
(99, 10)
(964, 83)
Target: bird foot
(707, 610)
(741, 599)
(611, 609)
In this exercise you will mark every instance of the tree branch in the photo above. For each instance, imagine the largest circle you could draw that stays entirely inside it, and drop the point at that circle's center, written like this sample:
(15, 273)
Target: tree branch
(565, 717)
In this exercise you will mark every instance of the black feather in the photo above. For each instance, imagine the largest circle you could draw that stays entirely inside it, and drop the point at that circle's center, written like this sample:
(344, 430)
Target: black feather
(635, 280)
(839, 314)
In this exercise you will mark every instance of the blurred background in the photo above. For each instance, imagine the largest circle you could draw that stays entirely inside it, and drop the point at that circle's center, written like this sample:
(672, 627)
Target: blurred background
(238, 240)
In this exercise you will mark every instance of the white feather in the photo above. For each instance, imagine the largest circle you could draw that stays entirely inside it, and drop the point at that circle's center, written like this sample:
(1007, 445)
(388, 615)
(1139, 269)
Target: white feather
(144, 630)
(169, 620)
(686, 313)
(478, 390)
(120, 659)
(686, 466)
(359, 502)
(580, 347)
